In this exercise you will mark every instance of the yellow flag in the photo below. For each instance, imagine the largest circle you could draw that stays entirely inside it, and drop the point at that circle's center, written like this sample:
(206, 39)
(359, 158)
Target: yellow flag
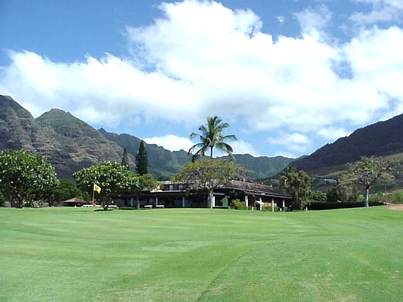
(97, 189)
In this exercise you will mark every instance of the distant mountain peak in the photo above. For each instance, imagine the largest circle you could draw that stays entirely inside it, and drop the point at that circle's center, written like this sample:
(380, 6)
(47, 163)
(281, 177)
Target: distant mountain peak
(378, 139)
(71, 144)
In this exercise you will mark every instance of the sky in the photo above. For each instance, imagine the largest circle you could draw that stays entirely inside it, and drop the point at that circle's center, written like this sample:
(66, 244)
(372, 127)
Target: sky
(288, 75)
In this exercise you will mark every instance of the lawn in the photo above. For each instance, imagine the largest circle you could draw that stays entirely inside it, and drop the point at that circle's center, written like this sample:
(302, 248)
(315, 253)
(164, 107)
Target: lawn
(68, 254)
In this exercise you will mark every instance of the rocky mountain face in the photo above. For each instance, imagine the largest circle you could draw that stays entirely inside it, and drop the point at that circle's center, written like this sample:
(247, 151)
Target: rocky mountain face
(70, 144)
(67, 142)
(379, 139)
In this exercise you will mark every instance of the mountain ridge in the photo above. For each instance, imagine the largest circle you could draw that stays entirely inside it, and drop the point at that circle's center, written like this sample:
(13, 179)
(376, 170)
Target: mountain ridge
(382, 138)
(71, 144)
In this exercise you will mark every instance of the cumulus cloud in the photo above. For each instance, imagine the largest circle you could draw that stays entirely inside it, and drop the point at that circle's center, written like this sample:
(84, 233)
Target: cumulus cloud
(184, 69)
(175, 143)
(312, 20)
(242, 147)
(381, 11)
(333, 133)
(295, 142)
(170, 142)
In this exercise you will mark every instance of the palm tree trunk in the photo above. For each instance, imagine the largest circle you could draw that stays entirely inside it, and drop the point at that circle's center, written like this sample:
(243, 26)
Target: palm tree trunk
(211, 151)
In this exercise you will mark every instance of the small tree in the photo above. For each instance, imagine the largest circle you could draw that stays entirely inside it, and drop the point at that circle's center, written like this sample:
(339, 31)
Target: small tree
(113, 179)
(208, 174)
(65, 190)
(317, 195)
(125, 159)
(142, 160)
(368, 171)
(298, 184)
(25, 177)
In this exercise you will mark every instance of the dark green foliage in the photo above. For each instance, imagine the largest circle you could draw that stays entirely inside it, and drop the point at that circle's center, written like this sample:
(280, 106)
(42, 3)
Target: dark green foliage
(25, 178)
(2, 200)
(331, 195)
(340, 205)
(113, 179)
(298, 184)
(368, 171)
(238, 204)
(395, 197)
(66, 190)
(208, 173)
(125, 159)
(212, 136)
(317, 196)
(142, 160)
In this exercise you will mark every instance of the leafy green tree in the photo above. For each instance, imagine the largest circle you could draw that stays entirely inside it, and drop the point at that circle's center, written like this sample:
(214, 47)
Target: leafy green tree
(64, 191)
(212, 136)
(142, 160)
(125, 159)
(317, 195)
(368, 171)
(208, 174)
(298, 184)
(25, 177)
(332, 195)
(113, 179)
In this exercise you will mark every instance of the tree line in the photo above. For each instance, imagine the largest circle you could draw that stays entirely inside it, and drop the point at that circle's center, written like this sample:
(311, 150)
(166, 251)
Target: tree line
(27, 179)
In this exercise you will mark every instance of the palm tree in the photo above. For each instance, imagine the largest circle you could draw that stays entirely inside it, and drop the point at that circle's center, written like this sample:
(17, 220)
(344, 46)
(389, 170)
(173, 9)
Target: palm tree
(211, 136)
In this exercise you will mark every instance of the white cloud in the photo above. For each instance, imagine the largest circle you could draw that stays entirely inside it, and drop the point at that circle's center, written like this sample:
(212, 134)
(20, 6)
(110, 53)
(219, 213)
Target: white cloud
(381, 11)
(312, 20)
(170, 142)
(176, 143)
(296, 142)
(332, 133)
(280, 19)
(185, 69)
(242, 147)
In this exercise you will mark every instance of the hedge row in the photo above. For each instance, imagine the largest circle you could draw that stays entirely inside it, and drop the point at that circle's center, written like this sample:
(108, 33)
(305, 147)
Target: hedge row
(340, 205)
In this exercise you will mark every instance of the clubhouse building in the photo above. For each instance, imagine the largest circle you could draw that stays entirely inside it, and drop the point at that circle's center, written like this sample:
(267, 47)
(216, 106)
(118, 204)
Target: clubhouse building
(183, 195)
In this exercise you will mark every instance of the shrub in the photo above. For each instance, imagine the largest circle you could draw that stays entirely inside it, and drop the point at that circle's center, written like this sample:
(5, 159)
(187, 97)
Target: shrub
(339, 205)
(238, 204)
(267, 207)
(395, 197)
(317, 196)
(331, 195)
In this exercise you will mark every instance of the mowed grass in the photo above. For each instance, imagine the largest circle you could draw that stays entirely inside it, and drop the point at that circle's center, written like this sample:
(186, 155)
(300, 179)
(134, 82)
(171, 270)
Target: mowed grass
(64, 254)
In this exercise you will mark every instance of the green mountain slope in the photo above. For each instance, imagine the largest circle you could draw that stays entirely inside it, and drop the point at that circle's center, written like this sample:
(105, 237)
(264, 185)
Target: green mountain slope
(379, 139)
(162, 163)
(71, 144)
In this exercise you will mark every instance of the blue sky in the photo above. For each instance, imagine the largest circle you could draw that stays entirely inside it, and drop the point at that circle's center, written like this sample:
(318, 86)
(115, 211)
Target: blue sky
(289, 76)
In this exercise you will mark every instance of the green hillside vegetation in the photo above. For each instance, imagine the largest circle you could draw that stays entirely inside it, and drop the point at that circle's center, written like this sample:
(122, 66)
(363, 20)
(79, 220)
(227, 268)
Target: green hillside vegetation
(71, 144)
(319, 176)
(380, 139)
(79, 254)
